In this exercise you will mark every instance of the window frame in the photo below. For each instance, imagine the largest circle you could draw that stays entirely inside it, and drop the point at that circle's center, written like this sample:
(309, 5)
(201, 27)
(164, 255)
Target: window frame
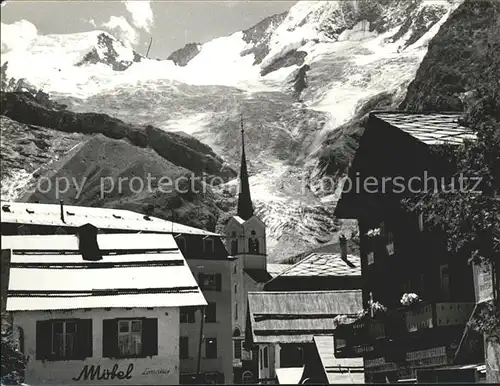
(64, 334)
(130, 333)
(45, 341)
(214, 285)
(211, 248)
(189, 313)
(149, 337)
(207, 346)
(238, 343)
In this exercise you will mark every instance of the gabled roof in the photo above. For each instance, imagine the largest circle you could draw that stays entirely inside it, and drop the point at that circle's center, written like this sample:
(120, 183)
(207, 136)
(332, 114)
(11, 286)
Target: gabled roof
(338, 370)
(137, 270)
(102, 218)
(295, 317)
(325, 264)
(429, 128)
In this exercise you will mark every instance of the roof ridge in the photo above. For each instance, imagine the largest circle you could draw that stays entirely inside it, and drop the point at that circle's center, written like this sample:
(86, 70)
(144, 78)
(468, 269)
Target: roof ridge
(303, 292)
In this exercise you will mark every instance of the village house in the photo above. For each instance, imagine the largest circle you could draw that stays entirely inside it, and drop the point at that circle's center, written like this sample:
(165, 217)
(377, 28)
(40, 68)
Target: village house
(93, 308)
(294, 335)
(205, 254)
(418, 296)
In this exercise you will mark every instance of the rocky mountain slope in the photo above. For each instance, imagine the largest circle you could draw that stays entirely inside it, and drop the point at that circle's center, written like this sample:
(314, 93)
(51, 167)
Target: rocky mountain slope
(464, 54)
(303, 81)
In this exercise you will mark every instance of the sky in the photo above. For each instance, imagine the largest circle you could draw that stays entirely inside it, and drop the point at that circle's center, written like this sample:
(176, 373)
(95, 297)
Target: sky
(172, 24)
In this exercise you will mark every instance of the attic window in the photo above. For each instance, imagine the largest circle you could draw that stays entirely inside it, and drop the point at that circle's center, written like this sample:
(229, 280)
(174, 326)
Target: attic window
(117, 216)
(70, 213)
(30, 211)
(147, 218)
(6, 208)
(208, 245)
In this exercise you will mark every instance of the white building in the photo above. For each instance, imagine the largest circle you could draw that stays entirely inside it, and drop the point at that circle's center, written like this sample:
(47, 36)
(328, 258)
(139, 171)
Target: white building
(99, 309)
(246, 241)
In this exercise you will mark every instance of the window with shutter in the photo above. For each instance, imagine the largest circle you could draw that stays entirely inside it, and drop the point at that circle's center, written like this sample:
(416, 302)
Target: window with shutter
(184, 347)
(266, 357)
(130, 338)
(211, 313)
(187, 315)
(61, 339)
(209, 282)
(210, 348)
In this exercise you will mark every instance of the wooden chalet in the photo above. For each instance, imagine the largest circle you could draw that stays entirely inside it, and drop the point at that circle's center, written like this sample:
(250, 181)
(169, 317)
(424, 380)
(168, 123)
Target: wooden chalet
(400, 256)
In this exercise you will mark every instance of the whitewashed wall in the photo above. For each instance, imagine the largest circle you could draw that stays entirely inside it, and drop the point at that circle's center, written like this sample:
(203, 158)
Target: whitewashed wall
(162, 369)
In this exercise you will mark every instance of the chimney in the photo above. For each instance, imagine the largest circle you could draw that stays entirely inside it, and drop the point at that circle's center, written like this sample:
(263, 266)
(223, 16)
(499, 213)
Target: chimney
(343, 250)
(87, 243)
(62, 211)
(343, 247)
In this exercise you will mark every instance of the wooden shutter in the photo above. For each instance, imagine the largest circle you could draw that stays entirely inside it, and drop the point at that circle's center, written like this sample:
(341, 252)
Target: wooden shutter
(150, 337)
(85, 339)
(218, 282)
(43, 339)
(109, 338)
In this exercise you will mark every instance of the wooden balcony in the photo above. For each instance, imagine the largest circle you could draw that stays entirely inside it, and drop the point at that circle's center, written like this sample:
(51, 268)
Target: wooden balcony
(430, 315)
(384, 334)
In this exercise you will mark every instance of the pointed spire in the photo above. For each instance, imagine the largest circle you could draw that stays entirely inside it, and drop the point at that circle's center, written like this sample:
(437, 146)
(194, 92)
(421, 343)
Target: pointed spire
(245, 207)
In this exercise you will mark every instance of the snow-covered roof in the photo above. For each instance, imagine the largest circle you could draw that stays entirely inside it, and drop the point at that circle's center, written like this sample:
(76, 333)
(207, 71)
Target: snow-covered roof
(137, 270)
(102, 218)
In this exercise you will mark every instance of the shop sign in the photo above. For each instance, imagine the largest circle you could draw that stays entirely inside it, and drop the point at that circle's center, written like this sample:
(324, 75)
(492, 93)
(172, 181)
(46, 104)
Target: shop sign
(483, 275)
(98, 373)
(433, 357)
(361, 349)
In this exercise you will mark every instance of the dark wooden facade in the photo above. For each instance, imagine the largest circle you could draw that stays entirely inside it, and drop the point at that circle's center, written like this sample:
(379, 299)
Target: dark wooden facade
(405, 257)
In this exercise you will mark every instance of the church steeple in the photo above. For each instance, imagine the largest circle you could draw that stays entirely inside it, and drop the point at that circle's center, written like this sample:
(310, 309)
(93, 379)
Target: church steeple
(245, 207)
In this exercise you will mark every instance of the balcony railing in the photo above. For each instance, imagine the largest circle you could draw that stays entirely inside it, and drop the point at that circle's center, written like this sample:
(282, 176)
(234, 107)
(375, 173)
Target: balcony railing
(427, 315)
(452, 314)
(368, 335)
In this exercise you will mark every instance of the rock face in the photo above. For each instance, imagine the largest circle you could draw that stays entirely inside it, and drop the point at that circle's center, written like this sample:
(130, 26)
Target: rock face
(291, 58)
(106, 52)
(464, 54)
(182, 56)
(183, 151)
(259, 36)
